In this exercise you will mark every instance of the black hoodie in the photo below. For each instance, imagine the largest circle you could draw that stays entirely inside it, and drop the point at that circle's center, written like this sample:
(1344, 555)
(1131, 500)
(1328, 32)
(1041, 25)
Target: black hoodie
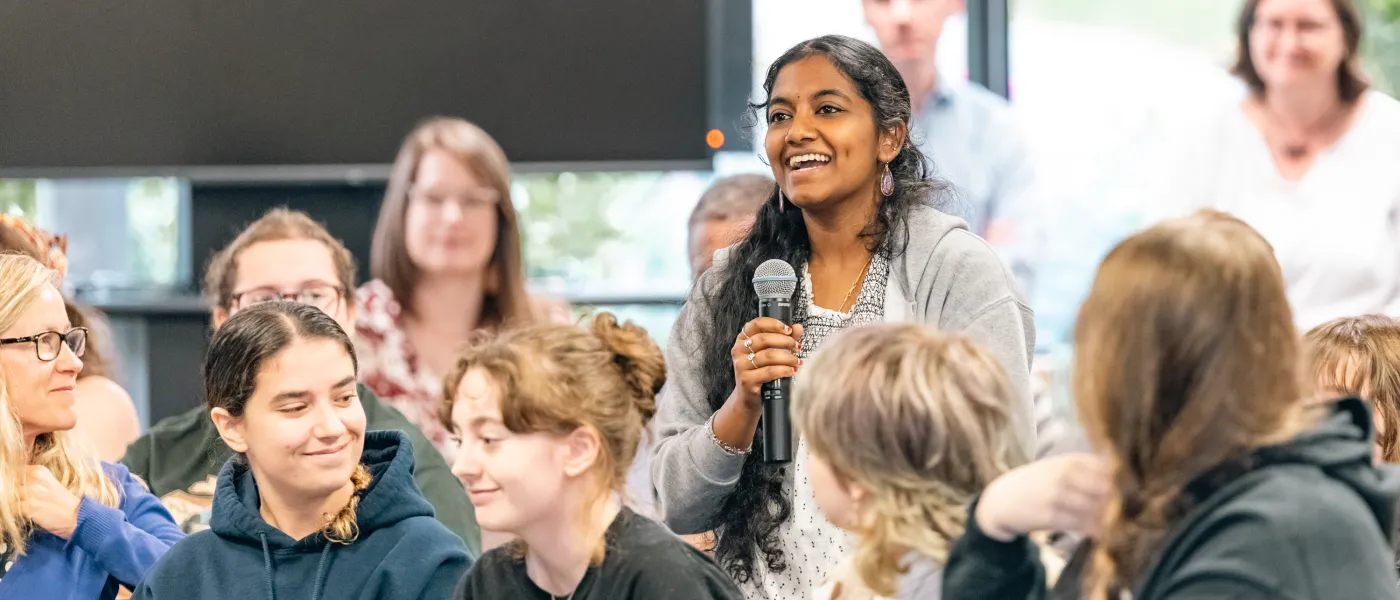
(402, 552)
(1309, 519)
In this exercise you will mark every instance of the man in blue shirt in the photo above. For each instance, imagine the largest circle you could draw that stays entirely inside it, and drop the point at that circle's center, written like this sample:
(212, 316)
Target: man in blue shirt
(976, 145)
(968, 131)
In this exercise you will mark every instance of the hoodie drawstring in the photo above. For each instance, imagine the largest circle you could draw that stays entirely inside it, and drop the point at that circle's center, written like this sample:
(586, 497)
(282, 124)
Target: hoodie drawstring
(321, 571)
(267, 565)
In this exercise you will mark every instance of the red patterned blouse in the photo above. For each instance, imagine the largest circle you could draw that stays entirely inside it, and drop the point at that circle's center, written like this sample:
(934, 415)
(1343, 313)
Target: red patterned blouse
(389, 366)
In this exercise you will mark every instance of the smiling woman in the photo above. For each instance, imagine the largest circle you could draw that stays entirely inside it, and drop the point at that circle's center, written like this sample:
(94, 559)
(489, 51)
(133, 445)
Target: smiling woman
(70, 527)
(307, 482)
(1306, 157)
(549, 418)
(851, 192)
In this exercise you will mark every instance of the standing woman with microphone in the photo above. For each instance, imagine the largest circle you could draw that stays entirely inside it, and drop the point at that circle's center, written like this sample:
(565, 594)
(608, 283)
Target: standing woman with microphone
(854, 215)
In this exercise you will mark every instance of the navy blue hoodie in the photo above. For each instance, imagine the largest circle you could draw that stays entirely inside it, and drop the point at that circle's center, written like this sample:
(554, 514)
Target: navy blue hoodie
(402, 552)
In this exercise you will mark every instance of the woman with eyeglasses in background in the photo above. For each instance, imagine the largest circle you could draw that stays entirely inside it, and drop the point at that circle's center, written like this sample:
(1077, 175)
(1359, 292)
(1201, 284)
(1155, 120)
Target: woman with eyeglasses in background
(70, 525)
(446, 262)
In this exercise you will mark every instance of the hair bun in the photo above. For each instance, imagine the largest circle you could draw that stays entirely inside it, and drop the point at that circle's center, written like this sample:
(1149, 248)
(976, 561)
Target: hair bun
(637, 357)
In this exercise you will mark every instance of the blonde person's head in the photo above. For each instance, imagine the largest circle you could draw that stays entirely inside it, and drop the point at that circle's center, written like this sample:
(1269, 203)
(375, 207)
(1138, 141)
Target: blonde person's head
(22, 281)
(919, 422)
(1360, 356)
(551, 413)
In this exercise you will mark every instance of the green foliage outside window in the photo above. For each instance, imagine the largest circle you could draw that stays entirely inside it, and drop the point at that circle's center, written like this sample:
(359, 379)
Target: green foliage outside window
(1381, 44)
(17, 195)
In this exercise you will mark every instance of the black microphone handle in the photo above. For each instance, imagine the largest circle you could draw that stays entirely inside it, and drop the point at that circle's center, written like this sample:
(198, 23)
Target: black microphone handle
(777, 416)
(777, 422)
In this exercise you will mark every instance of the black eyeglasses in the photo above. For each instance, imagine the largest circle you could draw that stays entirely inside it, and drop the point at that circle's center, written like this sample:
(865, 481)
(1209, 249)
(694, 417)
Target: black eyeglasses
(323, 296)
(48, 344)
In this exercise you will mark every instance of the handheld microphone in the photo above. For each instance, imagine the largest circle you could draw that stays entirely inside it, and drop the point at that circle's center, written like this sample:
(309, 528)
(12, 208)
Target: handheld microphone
(775, 282)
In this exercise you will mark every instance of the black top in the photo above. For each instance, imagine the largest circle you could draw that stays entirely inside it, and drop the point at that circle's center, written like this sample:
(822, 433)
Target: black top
(644, 561)
(1309, 519)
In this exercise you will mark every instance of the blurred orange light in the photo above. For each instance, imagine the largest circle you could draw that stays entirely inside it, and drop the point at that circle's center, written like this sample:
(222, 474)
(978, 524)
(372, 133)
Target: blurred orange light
(715, 138)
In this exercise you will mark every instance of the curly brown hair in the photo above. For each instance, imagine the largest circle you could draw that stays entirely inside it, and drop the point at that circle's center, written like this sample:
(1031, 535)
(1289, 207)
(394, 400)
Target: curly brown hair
(557, 378)
(1360, 356)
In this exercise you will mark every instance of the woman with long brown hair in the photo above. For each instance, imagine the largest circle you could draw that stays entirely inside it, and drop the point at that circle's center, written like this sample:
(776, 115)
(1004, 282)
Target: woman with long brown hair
(446, 262)
(1214, 481)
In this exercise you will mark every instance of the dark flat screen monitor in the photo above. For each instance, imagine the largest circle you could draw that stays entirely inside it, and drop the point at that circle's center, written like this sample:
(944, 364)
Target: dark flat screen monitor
(161, 85)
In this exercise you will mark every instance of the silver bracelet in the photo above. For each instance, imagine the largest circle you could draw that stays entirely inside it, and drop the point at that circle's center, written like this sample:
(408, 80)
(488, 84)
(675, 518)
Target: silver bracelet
(730, 450)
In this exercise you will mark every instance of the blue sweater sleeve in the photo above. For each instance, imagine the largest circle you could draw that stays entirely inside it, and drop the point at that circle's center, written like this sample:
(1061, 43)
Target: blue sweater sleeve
(126, 542)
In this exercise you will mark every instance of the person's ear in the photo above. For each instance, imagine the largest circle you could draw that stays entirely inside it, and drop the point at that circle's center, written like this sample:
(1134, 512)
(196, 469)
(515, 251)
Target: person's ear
(581, 449)
(891, 142)
(858, 493)
(218, 317)
(230, 429)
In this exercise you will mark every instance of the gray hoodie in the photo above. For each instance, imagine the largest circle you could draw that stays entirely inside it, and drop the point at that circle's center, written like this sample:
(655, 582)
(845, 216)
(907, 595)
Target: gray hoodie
(946, 277)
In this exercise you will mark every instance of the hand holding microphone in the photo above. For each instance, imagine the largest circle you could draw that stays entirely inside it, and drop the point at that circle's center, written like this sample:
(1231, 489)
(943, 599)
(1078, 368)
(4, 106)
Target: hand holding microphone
(773, 345)
(765, 360)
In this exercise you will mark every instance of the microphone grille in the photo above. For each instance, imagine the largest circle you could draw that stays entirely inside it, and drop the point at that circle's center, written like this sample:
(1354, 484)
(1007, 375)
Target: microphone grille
(774, 279)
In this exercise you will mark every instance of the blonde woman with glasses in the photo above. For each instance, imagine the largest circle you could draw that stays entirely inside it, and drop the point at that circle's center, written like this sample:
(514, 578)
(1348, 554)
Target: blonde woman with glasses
(70, 525)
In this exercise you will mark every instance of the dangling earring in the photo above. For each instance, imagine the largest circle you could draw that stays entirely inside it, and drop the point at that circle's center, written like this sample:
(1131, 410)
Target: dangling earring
(887, 182)
(782, 201)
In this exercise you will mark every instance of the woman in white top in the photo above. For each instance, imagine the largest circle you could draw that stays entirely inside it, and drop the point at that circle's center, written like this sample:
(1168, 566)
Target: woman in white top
(1310, 158)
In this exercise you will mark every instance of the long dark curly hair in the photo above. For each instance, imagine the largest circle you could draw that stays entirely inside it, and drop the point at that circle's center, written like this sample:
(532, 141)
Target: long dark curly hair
(749, 520)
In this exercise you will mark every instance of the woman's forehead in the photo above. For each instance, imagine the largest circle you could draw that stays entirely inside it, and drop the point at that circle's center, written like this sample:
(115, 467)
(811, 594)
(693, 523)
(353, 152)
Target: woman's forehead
(476, 395)
(809, 76)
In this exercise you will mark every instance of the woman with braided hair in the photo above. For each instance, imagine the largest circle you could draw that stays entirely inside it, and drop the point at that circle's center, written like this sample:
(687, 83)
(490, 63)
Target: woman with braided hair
(1216, 474)
(311, 505)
